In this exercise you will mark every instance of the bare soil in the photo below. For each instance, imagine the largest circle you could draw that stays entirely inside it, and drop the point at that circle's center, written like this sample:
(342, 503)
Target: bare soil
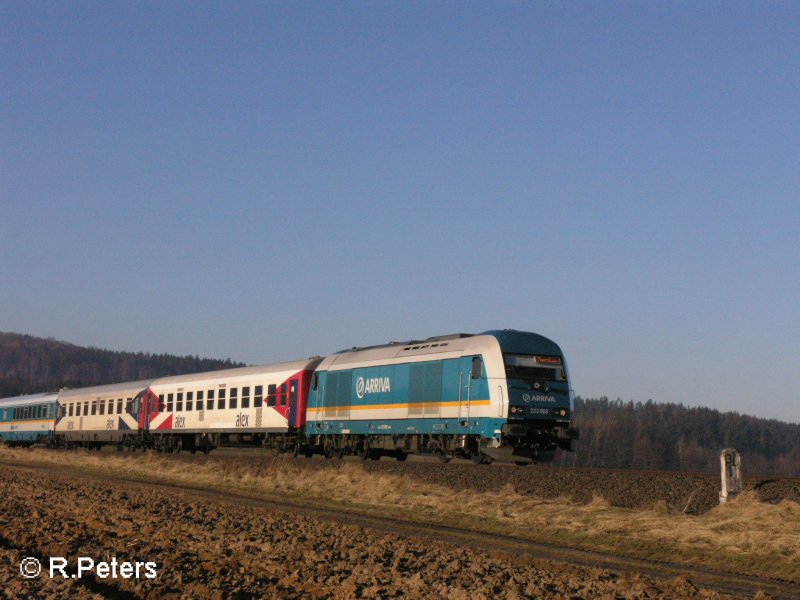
(208, 549)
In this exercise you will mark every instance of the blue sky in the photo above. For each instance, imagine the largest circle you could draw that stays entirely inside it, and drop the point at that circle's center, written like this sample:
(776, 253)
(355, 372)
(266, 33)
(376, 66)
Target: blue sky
(269, 181)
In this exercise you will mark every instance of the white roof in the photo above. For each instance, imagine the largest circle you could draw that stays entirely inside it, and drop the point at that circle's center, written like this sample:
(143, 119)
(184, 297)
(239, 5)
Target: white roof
(128, 388)
(240, 372)
(432, 349)
(28, 399)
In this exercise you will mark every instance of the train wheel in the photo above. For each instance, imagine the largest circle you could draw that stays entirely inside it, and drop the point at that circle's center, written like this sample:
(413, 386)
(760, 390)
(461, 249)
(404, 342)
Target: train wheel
(401, 455)
(338, 453)
(363, 452)
(442, 455)
(478, 458)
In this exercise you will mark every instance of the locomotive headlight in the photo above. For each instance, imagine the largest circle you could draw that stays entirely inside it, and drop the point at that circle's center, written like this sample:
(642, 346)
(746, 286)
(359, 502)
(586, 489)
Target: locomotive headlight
(562, 412)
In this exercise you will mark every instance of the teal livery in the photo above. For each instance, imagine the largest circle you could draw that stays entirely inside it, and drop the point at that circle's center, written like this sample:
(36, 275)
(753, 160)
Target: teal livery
(499, 395)
(27, 420)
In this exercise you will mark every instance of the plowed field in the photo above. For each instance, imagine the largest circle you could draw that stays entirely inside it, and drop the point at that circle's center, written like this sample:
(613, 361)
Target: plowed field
(247, 524)
(206, 549)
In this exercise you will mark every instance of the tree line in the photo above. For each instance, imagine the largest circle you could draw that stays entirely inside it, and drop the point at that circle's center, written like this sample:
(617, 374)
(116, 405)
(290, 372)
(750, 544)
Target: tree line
(672, 437)
(30, 364)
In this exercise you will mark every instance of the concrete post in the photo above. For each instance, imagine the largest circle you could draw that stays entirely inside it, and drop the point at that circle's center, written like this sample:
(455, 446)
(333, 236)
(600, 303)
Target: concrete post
(731, 464)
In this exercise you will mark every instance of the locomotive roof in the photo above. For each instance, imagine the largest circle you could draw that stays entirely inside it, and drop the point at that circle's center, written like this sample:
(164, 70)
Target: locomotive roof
(29, 399)
(439, 338)
(442, 346)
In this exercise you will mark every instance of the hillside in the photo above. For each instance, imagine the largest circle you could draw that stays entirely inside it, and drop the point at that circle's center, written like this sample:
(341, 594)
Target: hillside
(30, 364)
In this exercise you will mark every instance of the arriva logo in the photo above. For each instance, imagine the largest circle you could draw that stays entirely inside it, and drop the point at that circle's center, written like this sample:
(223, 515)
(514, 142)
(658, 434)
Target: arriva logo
(535, 398)
(374, 385)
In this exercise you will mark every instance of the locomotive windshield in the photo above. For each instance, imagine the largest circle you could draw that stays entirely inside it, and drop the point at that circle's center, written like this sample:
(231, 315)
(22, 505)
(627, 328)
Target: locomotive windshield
(528, 367)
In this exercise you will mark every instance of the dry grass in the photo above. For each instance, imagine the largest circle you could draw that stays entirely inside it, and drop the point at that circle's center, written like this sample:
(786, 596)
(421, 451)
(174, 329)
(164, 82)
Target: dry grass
(746, 535)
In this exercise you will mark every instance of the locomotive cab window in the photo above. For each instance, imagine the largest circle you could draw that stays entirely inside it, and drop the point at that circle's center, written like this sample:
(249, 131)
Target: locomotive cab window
(528, 366)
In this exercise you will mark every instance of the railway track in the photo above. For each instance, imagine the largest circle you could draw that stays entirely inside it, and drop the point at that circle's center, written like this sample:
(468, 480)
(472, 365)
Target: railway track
(722, 581)
(692, 493)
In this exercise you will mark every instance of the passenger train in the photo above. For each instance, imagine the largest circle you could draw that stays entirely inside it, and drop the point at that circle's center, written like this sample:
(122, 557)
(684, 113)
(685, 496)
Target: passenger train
(496, 396)
(26, 420)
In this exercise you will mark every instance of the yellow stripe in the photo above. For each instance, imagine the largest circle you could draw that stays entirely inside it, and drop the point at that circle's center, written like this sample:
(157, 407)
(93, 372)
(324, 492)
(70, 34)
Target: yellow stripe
(451, 403)
(29, 421)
